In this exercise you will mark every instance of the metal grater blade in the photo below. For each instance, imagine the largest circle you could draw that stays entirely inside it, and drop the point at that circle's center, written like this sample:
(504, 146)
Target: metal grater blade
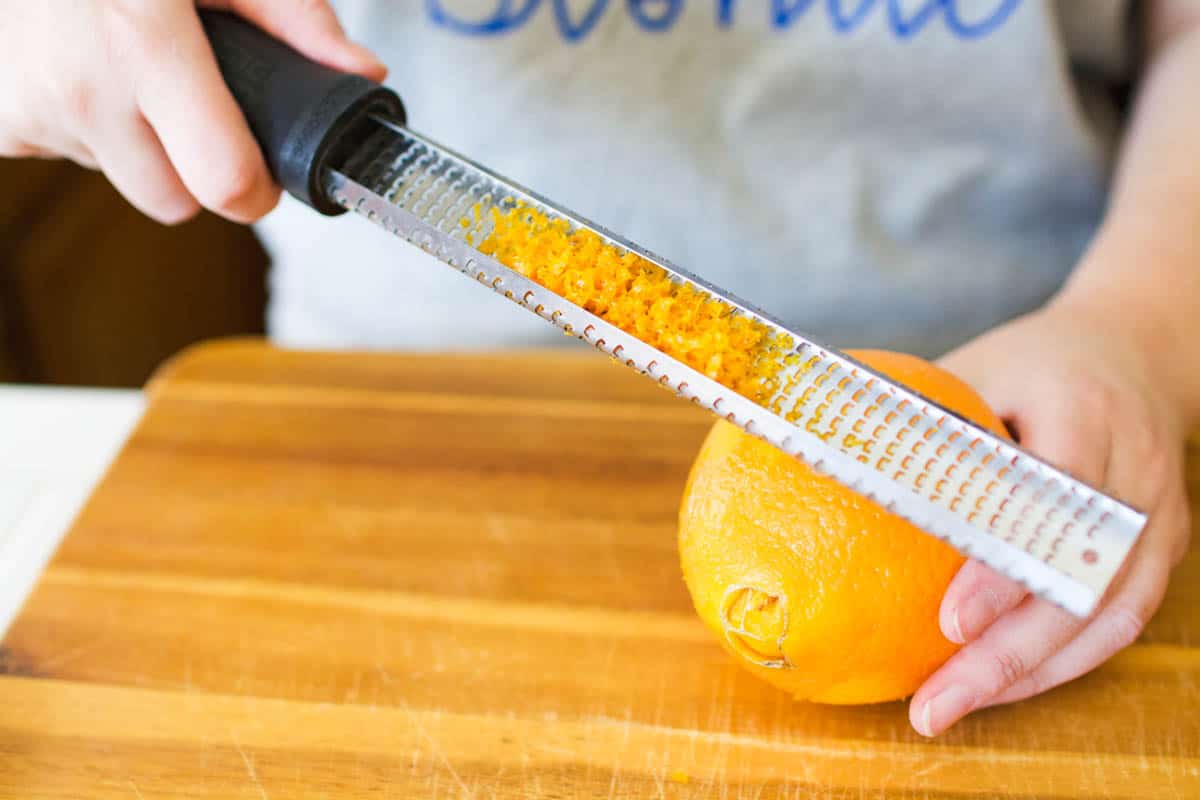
(989, 499)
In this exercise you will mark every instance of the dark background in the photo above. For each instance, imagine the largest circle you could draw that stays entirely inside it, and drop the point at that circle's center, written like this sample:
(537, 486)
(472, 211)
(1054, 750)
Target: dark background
(92, 293)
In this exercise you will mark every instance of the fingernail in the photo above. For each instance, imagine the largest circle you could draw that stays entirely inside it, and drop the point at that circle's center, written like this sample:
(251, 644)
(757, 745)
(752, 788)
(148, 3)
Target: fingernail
(973, 615)
(945, 709)
(954, 633)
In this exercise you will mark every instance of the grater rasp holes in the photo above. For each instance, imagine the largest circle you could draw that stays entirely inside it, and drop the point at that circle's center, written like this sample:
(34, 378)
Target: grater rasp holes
(937, 456)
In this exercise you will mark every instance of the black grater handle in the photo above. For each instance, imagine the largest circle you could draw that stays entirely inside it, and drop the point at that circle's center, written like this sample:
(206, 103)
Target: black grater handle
(303, 114)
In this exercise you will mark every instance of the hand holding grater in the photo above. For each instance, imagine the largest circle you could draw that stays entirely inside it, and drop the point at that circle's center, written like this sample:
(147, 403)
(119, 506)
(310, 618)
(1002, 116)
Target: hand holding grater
(341, 142)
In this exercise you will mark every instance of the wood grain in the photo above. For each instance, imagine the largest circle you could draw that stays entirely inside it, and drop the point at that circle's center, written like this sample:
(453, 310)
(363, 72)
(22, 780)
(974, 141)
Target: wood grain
(455, 577)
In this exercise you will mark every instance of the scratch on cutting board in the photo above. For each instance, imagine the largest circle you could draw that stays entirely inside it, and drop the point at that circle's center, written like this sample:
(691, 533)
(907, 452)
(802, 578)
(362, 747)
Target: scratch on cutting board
(136, 790)
(662, 789)
(928, 768)
(249, 767)
(437, 751)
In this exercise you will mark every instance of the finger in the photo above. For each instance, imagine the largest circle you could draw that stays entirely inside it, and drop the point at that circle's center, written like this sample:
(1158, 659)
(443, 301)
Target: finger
(186, 102)
(1117, 626)
(1014, 646)
(134, 160)
(50, 148)
(16, 148)
(1076, 442)
(975, 599)
(85, 159)
(310, 27)
(79, 154)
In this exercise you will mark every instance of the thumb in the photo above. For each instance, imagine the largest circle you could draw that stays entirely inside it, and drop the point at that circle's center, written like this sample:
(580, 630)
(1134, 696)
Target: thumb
(311, 28)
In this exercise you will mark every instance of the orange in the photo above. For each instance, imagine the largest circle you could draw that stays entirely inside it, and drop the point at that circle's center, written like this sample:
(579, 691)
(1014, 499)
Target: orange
(810, 585)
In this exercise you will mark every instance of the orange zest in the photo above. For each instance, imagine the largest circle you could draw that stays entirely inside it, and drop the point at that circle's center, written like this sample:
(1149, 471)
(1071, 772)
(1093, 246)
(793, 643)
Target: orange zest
(641, 298)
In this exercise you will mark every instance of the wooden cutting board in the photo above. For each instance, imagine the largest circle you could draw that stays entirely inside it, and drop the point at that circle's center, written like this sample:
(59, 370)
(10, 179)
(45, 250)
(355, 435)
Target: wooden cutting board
(373, 576)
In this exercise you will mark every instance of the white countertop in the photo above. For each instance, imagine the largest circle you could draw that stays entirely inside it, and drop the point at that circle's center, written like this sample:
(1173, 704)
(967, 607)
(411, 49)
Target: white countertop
(55, 444)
